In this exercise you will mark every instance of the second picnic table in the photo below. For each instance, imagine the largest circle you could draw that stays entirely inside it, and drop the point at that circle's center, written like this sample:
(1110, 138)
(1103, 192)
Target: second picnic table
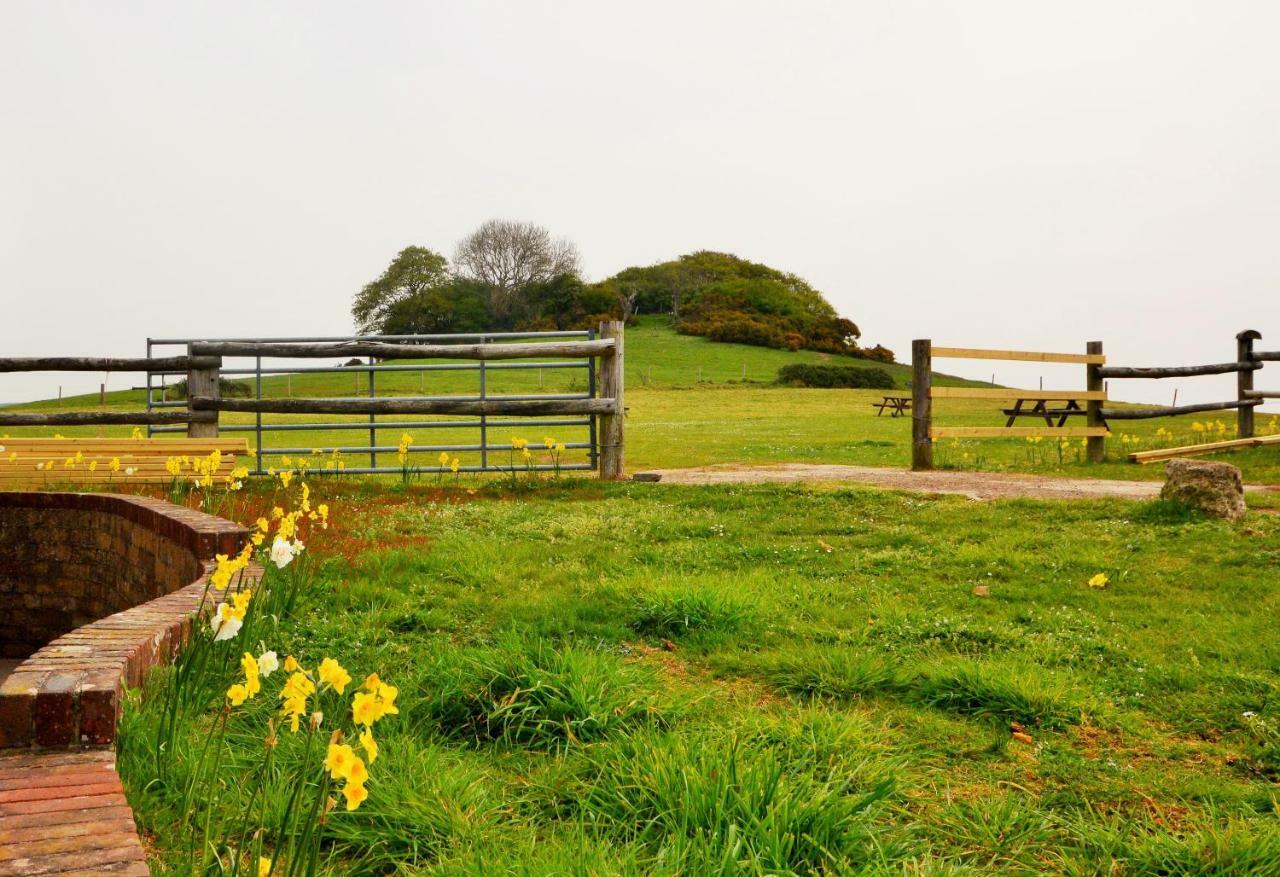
(897, 405)
(1070, 408)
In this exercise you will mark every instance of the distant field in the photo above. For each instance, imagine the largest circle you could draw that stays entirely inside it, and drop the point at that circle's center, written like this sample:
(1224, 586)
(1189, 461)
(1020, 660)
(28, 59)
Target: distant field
(689, 404)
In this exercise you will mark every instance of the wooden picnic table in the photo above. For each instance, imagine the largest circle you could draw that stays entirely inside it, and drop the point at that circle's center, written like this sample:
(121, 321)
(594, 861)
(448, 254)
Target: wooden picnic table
(1040, 408)
(897, 405)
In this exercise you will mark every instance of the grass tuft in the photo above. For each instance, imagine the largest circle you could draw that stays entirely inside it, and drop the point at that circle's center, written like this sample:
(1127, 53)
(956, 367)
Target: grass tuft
(531, 693)
(681, 611)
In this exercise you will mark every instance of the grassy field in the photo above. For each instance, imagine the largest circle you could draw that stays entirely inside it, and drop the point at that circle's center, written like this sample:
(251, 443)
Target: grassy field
(689, 405)
(638, 679)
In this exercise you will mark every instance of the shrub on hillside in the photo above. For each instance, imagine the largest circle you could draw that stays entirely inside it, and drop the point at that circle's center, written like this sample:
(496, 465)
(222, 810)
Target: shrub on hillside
(879, 353)
(835, 376)
(227, 388)
(744, 330)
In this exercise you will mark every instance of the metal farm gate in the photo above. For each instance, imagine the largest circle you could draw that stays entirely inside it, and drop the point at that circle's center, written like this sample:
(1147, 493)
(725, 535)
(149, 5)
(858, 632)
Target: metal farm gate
(481, 411)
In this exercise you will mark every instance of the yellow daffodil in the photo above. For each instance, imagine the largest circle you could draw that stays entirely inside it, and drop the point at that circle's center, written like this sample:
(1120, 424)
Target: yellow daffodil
(1101, 580)
(355, 795)
(369, 745)
(332, 674)
(252, 683)
(338, 760)
(237, 694)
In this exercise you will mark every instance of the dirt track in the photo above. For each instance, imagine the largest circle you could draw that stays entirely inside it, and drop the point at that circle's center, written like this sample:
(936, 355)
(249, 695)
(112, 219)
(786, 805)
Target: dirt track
(975, 485)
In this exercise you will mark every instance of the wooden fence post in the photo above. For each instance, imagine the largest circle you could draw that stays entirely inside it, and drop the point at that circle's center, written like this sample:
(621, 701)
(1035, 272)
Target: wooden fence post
(610, 433)
(1244, 382)
(921, 404)
(203, 382)
(1096, 445)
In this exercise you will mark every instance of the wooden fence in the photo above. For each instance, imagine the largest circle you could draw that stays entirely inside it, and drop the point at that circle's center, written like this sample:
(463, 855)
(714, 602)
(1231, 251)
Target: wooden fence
(203, 364)
(1094, 395)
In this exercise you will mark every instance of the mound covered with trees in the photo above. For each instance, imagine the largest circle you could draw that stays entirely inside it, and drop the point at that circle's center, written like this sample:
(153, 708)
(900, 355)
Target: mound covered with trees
(727, 298)
(516, 276)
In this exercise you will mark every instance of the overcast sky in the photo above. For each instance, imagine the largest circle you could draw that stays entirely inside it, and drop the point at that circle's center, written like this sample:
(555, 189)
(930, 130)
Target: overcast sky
(1007, 174)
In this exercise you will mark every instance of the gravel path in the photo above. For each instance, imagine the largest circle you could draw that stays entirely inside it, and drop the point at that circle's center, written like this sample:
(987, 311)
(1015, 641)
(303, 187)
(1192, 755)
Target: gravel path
(975, 485)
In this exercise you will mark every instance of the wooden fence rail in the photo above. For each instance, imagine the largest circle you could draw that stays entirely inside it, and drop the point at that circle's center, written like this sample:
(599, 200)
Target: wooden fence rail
(203, 366)
(1185, 371)
(382, 350)
(1097, 372)
(106, 364)
(106, 418)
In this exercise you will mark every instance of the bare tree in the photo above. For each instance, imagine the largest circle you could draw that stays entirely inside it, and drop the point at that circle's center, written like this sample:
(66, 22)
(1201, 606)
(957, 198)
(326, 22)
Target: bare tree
(506, 256)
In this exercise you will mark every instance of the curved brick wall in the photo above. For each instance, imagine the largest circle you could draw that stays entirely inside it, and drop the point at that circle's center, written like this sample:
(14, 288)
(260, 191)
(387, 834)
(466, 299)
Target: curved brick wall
(95, 588)
(64, 565)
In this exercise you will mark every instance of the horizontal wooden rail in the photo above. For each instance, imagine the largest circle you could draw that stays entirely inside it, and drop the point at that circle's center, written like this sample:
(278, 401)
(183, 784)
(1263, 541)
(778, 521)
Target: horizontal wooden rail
(1014, 393)
(1185, 371)
(938, 432)
(1262, 394)
(106, 418)
(106, 364)
(1019, 355)
(380, 350)
(407, 406)
(1161, 454)
(1266, 356)
(1173, 410)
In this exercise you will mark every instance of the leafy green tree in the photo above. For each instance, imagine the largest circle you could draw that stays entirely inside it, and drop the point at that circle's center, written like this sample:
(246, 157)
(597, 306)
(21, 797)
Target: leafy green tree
(414, 271)
(457, 306)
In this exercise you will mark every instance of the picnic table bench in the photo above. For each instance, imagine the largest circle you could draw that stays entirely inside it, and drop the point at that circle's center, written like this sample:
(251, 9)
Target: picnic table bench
(26, 462)
(897, 405)
(1041, 409)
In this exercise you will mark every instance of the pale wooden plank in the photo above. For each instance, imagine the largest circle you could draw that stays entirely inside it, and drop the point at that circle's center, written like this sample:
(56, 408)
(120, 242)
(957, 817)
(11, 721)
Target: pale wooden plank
(1014, 393)
(938, 432)
(1161, 454)
(1021, 355)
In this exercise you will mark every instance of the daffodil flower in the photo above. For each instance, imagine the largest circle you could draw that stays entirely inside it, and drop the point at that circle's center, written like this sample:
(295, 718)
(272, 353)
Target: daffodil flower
(268, 663)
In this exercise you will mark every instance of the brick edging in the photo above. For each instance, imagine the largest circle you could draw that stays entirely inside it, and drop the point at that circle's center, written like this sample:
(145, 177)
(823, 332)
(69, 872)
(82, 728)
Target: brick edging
(69, 692)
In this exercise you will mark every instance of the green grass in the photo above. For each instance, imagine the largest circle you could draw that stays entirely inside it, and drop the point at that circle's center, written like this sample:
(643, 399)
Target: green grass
(639, 679)
(689, 405)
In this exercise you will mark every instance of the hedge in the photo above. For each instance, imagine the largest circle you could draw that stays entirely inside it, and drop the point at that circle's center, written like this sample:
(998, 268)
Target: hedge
(828, 376)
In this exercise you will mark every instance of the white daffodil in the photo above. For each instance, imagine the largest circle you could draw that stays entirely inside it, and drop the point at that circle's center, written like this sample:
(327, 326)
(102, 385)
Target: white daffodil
(224, 623)
(281, 552)
(268, 663)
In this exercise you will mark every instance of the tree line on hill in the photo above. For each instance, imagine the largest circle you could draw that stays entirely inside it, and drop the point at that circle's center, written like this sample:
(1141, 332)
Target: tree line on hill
(515, 276)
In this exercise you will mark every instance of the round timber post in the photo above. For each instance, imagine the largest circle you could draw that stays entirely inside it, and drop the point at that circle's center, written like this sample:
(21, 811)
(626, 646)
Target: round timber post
(203, 382)
(1244, 383)
(921, 404)
(1096, 446)
(610, 431)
